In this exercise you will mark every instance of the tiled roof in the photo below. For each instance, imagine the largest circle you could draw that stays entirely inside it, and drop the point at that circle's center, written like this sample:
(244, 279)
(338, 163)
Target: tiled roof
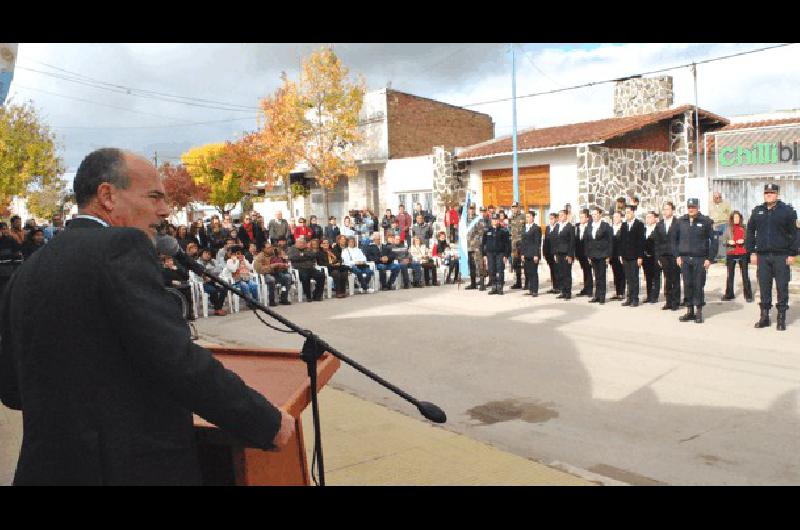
(748, 125)
(578, 133)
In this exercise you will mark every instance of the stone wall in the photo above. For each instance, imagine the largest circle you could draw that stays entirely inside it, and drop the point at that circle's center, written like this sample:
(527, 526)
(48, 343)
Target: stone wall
(606, 173)
(450, 179)
(642, 95)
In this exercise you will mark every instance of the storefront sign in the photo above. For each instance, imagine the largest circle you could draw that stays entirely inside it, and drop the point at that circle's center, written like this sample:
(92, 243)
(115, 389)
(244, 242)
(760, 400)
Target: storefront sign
(758, 151)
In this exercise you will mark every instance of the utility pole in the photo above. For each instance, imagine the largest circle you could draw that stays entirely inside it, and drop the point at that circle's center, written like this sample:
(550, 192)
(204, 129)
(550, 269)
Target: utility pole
(515, 169)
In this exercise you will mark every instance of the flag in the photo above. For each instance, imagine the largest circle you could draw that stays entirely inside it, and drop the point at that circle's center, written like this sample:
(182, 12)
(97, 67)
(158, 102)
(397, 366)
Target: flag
(463, 231)
(8, 56)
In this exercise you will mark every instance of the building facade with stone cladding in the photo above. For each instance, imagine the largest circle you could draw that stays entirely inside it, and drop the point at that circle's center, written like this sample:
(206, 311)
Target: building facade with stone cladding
(645, 150)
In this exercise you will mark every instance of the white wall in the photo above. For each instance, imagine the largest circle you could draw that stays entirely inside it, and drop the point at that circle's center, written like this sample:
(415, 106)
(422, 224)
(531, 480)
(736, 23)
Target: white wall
(563, 164)
(374, 130)
(413, 174)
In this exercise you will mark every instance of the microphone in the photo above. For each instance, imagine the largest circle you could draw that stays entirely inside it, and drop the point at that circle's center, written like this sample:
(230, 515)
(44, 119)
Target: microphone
(168, 246)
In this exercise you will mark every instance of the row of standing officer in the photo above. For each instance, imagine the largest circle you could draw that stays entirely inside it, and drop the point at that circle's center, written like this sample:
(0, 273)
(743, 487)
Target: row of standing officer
(682, 247)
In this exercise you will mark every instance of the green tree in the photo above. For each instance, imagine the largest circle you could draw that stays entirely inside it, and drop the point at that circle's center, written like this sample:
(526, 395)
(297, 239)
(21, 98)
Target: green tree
(43, 203)
(28, 158)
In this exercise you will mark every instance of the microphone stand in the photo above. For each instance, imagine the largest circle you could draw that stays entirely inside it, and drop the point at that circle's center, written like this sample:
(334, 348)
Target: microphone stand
(313, 348)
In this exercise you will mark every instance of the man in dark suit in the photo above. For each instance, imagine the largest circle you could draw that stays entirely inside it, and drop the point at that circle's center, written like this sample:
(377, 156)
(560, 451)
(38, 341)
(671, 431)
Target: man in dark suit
(598, 250)
(581, 231)
(530, 250)
(617, 267)
(106, 375)
(665, 253)
(549, 252)
(564, 246)
(652, 270)
(632, 253)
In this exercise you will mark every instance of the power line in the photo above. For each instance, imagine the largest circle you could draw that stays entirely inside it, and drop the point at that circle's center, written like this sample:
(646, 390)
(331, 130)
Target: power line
(527, 55)
(594, 83)
(17, 86)
(153, 126)
(132, 91)
(144, 91)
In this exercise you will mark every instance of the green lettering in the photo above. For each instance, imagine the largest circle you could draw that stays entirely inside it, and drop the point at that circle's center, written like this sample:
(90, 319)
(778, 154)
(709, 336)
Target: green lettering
(722, 159)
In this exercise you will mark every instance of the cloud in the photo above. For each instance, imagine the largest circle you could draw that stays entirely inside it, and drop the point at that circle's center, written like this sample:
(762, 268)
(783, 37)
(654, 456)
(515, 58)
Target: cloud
(455, 73)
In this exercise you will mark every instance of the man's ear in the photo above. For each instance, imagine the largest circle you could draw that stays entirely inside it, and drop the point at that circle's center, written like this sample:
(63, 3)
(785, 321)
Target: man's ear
(105, 196)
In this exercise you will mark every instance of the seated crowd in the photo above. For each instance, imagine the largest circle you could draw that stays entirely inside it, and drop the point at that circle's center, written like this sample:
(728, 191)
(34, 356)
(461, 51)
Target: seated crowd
(243, 253)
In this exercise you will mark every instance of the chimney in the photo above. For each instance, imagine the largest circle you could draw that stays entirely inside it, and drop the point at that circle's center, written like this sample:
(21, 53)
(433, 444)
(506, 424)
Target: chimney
(642, 95)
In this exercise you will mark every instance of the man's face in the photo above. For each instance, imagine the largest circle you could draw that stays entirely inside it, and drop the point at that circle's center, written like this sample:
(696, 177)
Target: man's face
(419, 219)
(301, 243)
(332, 222)
(596, 216)
(57, 220)
(313, 219)
(16, 224)
(692, 211)
(584, 218)
(143, 205)
(38, 238)
(282, 243)
(629, 214)
(206, 255)
(402, 209)
(770, 197)
(377, 240)
(650, 219)
(495, 222)
(514, 210)
(561, 217)
(279, 215)
(667, 211)
(529, 218)
(229, 243)
(717, 197)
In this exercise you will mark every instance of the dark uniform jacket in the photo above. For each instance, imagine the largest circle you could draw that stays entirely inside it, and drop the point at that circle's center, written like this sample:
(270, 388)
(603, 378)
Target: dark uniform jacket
(580, 242)
(695, 239)
(616, 242)
(600, 246)
(631, 240)
(663, 239)
(531, 243)
(564, 240)
(496, 241)
(387, 250)
(106, 375)
(773, 230)
(331, 233)
(372, 252)
(317, 231)
(549, 235)
(650, 243)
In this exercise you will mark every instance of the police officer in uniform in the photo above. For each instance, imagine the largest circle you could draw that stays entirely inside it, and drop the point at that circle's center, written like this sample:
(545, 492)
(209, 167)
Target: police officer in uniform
(696, 246)
(474, 240)
(530, 249)
(772, 241)
(516, 226)
(496, 249)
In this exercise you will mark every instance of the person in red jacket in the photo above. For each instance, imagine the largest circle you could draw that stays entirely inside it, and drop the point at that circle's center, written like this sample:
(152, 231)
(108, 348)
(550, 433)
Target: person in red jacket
(302, 230)
(451, 222)
(733, 239)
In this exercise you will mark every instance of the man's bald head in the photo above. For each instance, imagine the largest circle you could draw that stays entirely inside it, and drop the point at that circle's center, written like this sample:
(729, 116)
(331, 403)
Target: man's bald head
(121, 188)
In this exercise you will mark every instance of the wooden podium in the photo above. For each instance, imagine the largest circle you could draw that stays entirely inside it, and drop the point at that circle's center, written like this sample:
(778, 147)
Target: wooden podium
(282, 377)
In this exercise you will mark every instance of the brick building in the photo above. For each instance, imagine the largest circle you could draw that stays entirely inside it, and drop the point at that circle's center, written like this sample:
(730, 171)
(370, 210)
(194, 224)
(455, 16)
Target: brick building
(396, 157)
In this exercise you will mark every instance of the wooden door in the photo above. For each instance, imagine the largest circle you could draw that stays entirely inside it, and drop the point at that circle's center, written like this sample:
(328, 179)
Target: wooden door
(534, 189)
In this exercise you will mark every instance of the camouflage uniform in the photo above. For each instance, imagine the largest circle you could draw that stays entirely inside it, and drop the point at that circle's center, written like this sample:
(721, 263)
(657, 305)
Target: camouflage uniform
(474, 240)
(516, 226)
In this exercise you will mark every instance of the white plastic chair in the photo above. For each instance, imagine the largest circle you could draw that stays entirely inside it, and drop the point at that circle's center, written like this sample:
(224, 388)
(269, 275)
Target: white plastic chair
(233, 300)
(199, 296)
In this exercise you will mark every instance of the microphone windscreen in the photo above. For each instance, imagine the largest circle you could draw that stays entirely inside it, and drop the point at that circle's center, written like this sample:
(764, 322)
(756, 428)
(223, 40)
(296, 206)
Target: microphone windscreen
(167, 245)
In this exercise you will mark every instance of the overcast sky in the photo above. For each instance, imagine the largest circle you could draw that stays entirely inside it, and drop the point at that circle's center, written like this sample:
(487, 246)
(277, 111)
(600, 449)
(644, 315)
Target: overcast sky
(86, 118)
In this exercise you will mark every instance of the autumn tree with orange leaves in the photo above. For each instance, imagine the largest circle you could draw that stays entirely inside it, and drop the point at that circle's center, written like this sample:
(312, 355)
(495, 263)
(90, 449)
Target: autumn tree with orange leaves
(179, 186)
(314, 121)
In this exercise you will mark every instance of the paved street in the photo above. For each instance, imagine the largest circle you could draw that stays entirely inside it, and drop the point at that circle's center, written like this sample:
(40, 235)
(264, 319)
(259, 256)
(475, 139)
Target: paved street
(628, 393)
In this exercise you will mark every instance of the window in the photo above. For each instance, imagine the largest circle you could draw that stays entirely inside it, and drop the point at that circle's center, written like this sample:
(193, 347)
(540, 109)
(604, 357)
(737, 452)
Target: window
(401, 199)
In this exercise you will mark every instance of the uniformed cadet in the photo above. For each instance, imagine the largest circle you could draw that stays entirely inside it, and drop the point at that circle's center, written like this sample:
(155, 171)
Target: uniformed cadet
(531, 253)
(474, 237)
(772, 241)
(516, 227)
(549, 252)
(696, 246)
(496, 249)
(564, 248)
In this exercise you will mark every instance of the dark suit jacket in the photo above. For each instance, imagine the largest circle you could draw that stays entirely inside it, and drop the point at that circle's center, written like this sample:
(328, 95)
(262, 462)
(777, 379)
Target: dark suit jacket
(632, 241)
(600, 247)
(663, 240)
(580, 242)
(531, 243)
(547, 246)
(564, 242)
(97, 356)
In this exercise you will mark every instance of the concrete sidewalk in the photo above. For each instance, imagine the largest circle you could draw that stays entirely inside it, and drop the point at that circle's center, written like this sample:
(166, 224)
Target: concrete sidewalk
(371, 445)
